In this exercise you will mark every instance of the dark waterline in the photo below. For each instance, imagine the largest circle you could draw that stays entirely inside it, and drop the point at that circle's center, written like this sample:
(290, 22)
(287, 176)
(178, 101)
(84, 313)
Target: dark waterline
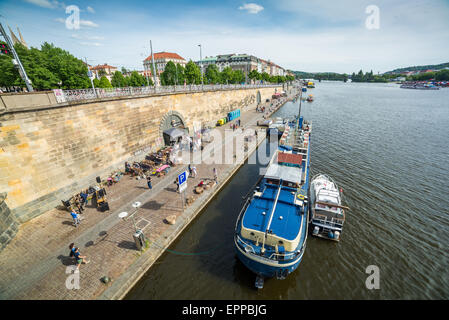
(388, 149)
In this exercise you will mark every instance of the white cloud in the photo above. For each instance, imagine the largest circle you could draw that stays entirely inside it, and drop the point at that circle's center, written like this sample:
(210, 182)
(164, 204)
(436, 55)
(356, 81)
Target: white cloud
(47, 3)
(88, 23)
(86, 37)
(90, 9)
(251, 8)
(85, 23)
(91, 44)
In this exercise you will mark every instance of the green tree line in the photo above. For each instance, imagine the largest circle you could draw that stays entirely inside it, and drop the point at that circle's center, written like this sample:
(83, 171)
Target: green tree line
(442, 75)
(48, 67)
(191, 74)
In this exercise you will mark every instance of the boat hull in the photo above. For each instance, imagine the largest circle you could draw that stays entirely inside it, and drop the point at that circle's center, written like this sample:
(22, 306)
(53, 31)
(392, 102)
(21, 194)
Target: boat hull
(268, 269)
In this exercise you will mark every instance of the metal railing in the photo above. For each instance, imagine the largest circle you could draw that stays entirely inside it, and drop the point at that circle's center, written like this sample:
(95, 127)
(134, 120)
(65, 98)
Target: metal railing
(98, 93)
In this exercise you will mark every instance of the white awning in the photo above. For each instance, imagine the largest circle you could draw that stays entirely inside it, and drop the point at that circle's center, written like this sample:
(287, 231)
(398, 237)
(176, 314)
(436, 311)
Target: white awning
(290, 174)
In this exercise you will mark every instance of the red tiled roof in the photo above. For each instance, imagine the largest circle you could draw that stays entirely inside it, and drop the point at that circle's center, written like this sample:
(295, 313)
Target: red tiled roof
(165, 55)
(102, 66)
(289, 158)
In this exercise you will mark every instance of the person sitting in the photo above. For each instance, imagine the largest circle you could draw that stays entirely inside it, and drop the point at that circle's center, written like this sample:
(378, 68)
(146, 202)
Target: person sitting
(127, 167)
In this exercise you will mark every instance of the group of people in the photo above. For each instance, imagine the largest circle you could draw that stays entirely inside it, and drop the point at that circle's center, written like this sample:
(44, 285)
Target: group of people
(79, 201)
(76, 254)
(235, 125)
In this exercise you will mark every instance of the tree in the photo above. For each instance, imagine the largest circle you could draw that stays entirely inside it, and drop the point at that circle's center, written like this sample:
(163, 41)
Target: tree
(238, 76)
(96, 83)
(442, 75)
(265, 77)
(180, 74)
(192, 73)
(254, 75)
(70, 71)
(226, 75)
(169, 76)
(136, 80)
(212, 74)
(118, 80)
(104, 83)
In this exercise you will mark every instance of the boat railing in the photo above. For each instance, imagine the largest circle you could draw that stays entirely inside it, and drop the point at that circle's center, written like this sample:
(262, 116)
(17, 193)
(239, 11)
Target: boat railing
(333, 222)
(245, 245)
(283, 256)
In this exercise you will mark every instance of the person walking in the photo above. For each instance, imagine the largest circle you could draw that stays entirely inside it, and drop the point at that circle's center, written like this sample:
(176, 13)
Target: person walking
(215, 175)
(193, 172)
(76, 218)
(149, 183)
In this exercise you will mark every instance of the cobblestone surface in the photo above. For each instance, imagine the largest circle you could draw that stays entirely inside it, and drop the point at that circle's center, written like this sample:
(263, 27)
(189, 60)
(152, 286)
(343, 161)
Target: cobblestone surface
(35, 263)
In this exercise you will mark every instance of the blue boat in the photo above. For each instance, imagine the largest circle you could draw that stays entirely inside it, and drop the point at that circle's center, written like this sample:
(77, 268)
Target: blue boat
(271, 230)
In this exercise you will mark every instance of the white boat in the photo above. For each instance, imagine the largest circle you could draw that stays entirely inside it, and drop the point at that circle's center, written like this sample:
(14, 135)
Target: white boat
(327, 211)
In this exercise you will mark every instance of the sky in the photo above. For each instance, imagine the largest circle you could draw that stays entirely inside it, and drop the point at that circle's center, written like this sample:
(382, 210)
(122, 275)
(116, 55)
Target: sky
(315, 36)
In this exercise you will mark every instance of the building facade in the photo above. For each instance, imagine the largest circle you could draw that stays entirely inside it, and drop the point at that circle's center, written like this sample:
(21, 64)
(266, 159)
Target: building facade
(160, 61)
(103, 70)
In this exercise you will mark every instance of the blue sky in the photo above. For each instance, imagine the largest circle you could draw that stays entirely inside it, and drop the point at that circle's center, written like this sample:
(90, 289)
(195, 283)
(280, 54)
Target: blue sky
(318, 35)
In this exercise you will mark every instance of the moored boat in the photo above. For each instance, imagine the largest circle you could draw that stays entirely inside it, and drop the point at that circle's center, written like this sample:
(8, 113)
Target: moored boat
(327, 211)
(271, 230)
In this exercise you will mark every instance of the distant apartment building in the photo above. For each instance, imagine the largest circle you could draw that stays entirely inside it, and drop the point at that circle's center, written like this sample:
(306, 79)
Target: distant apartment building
(160, 61)
(103, 70)
(245, 63)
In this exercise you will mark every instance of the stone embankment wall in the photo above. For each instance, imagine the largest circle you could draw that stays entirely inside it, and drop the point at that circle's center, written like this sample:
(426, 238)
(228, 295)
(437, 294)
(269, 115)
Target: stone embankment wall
(48, 154)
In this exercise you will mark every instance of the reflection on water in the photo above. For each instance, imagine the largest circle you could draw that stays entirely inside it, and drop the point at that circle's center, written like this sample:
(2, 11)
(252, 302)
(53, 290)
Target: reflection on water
(387, 148)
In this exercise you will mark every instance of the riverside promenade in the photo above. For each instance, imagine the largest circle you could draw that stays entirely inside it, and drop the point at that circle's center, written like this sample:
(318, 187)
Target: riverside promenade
(36, 264)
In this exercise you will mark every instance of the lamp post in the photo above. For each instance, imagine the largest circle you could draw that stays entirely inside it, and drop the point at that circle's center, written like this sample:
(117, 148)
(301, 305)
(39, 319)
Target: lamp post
(201, 63)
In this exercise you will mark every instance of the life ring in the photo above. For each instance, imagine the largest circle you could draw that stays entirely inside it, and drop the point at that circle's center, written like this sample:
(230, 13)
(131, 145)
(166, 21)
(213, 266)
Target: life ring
(300, 196)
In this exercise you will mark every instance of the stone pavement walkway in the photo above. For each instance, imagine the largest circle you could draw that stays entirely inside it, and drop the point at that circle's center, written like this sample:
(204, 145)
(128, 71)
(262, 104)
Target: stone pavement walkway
(34, 264)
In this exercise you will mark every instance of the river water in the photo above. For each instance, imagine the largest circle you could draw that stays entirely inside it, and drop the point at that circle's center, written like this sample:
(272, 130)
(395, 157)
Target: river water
(388, 149)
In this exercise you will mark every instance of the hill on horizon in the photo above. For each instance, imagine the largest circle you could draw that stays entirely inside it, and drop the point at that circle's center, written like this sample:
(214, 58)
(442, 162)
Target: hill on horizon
(419, 68)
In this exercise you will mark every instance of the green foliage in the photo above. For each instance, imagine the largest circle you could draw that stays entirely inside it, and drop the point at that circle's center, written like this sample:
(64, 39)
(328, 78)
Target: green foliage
(254, 75)
(48, 68)
(118, 80)
(265, 77)
(104, 83)
(180, 74)
(136, 80)
(226, 75)
(237, 77)
(212, 74)
(289, 78)
(420, 68)
(368, 77)
(442, 75)
(192, 73)
(96, 83)
(169, 76)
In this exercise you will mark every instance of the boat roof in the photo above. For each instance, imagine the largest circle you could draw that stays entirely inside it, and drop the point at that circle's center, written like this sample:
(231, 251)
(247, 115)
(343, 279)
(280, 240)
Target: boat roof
(284, 173)
(290, 158)
(288, 227)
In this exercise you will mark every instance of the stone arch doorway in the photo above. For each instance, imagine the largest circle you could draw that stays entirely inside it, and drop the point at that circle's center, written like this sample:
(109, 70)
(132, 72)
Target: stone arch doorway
(172, 120)
(258, 98)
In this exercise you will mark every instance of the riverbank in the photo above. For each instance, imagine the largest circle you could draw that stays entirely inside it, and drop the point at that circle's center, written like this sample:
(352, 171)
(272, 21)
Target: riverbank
(36, 265)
